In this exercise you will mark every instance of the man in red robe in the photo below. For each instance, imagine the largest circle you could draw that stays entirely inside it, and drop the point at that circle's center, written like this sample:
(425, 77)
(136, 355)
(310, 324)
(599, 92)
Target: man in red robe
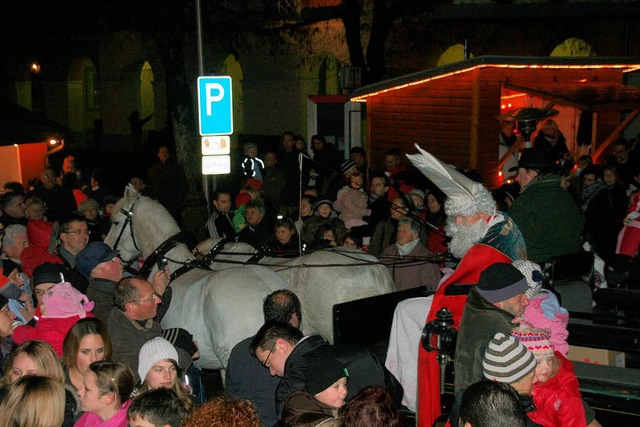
(481, 236)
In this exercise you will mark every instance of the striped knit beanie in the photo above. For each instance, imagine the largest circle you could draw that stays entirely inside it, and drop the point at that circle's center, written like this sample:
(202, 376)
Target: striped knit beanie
(538, 341)
(507, 360)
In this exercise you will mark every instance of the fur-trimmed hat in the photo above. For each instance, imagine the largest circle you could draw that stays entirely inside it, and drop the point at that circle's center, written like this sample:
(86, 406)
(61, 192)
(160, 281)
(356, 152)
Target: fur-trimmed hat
(501, 281)
(507, 360)
(154, 350)
(322, 372)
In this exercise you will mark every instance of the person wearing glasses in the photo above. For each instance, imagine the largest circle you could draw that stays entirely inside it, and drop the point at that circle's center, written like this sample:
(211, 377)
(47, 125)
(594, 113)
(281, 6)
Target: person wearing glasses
(246, 377)
(133, 322)
(73, 238)
(286, 353)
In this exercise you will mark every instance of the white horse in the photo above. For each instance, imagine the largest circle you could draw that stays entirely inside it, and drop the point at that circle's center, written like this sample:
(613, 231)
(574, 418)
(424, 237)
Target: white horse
(321, 279)
(219, 308)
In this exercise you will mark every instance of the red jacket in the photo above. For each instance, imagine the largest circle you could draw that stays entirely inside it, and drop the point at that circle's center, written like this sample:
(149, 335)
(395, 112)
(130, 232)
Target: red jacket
(467, 272)
(51, 330)
(558, 401)
(503, 242)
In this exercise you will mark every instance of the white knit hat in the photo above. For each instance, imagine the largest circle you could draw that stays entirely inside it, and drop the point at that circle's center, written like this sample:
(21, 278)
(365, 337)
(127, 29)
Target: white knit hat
(507, 360)
(153, 351)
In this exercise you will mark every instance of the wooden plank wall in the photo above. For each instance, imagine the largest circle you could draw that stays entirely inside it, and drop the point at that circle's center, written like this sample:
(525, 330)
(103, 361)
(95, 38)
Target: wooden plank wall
(435, 115)
(454, 117)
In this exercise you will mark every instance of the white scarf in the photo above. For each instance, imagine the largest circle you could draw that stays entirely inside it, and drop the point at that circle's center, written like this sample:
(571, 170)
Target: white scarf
(406, 249)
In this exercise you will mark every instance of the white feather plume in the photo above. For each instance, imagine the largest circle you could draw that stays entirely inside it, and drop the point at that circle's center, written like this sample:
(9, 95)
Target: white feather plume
(451, 182)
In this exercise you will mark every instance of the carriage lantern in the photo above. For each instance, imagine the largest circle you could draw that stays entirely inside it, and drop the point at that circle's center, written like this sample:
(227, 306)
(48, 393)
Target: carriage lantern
(439, 335)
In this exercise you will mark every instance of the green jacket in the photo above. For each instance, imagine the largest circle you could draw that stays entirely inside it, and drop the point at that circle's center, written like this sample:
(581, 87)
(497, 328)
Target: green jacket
(548, 218)
(481, 320)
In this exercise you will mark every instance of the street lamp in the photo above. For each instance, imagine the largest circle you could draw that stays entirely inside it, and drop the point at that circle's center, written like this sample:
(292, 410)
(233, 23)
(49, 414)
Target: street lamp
(37, 104)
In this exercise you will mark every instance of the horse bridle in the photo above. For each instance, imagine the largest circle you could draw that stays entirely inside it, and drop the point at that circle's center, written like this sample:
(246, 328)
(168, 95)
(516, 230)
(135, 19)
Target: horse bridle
(165, 247)
(128, 221)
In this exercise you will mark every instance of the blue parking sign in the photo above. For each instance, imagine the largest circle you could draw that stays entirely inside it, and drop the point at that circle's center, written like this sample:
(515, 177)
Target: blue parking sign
(215, 107)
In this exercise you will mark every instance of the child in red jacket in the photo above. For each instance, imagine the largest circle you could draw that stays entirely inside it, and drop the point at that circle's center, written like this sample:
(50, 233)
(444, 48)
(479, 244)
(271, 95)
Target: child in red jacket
(63, 306)
(555, 392)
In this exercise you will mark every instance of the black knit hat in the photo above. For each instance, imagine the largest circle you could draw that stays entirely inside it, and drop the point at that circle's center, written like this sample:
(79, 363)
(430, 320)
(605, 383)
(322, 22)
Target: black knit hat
(322, 372)
(50, 273)
(501, 281)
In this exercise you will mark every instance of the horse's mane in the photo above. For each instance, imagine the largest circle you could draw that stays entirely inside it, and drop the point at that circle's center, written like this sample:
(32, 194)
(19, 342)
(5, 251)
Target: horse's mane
(152, 223)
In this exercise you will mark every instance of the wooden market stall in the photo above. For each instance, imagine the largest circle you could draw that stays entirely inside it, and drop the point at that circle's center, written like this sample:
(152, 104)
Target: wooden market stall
(451, 110)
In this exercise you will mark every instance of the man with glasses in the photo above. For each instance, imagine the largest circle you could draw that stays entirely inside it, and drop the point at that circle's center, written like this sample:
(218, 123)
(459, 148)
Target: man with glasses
(74, 237)
(133, 322)
(103, 268)
(284, 351)
(246, 377)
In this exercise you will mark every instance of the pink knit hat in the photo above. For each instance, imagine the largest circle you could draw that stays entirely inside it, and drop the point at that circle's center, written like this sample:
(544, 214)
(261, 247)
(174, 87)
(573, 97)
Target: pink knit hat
(538, 341)
(63, 300)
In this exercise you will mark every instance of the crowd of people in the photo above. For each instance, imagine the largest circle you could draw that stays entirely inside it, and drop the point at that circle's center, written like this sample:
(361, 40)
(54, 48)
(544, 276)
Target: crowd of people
(299, 202)
(82, 343)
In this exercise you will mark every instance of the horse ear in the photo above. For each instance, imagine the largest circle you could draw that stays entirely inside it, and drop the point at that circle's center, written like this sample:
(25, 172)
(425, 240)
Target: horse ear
(130, 191)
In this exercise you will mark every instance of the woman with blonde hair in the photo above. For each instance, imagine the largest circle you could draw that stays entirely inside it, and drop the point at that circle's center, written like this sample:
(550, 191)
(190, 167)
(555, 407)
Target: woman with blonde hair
(158, 368)
(32, 358)
(39, 358)
(34, 401)
(105, 395)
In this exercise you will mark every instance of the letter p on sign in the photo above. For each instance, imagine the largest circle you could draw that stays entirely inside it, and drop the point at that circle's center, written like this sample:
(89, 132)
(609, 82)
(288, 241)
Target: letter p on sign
(215, 107)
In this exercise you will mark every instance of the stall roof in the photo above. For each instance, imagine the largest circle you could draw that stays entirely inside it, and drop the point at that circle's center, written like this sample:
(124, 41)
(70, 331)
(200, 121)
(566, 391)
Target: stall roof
(19, 125)
(625, 64)
(589, 96)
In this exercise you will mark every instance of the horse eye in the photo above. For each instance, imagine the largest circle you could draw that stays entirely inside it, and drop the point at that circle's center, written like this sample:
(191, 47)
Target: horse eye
(115, 222)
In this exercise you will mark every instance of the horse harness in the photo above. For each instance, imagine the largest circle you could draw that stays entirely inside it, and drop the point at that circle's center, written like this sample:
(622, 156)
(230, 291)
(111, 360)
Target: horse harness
(157, 256)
